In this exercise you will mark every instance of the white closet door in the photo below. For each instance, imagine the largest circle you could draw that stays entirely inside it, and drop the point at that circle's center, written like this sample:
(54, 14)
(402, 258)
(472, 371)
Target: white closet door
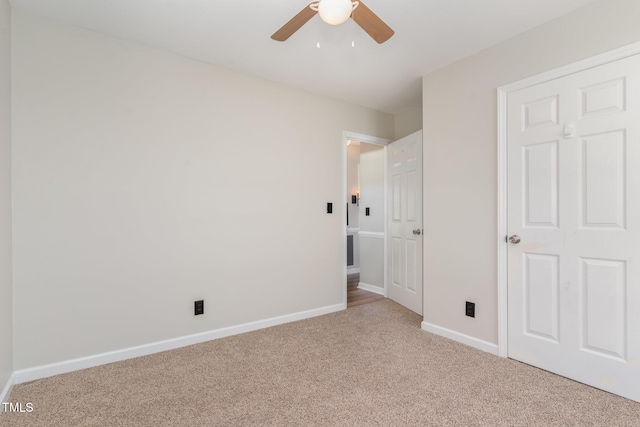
(574, 204)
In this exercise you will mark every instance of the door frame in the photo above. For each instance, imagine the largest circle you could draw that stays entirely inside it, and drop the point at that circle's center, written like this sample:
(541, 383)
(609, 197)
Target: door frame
(503, 92)
(368, 139)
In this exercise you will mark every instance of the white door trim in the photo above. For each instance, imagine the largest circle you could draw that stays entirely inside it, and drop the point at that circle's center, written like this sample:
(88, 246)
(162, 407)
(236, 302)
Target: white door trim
(371, 234)
(503, 91)
(346, 137)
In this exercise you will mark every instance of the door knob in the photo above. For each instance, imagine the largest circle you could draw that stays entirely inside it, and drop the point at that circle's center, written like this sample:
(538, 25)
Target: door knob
(417, 232)
(515, 239)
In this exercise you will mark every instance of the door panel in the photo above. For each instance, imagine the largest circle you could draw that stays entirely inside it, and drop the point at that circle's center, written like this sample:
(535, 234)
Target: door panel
(541, 295)
(405, 217)
(602, 180)
(603, 287)
(541, 184)
(574, 201)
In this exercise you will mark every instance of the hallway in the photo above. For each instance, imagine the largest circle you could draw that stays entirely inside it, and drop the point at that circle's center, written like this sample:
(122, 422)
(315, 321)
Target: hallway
(357, 296)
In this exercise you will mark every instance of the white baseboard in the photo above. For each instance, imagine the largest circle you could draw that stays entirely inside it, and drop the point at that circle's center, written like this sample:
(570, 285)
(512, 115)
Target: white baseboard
(45, 371)
(6, 391)
(461, 338)
(353, 270)
(371, 288)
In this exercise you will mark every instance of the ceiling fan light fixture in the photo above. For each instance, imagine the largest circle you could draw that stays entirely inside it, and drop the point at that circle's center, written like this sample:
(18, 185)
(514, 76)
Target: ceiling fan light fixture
(335, 12)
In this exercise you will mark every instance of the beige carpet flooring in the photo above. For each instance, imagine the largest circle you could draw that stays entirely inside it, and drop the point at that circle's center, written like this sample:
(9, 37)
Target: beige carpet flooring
(370, 365)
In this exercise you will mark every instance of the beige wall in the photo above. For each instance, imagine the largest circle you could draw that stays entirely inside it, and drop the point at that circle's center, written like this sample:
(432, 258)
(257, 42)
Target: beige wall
(460, 169)
(144, 181)
(408, 121)
(372, 171)
(6, 322)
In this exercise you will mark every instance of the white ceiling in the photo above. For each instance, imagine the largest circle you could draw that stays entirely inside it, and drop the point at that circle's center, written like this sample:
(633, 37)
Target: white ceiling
(236, 34)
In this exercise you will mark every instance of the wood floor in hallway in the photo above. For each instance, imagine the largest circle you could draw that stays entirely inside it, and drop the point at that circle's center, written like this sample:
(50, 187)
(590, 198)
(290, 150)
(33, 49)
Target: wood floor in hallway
(357, 296)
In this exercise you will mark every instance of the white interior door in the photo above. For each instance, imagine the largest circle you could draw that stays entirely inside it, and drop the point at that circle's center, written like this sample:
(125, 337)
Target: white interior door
(574, 204)
(405, 221)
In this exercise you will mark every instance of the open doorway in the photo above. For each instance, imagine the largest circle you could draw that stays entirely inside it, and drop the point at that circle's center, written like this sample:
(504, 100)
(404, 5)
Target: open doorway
(388, 234)
(366, 219)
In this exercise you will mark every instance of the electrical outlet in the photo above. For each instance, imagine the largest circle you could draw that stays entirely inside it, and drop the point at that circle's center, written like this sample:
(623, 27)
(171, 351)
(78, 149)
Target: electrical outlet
(470, 309)
(329, 208)
(198, 307)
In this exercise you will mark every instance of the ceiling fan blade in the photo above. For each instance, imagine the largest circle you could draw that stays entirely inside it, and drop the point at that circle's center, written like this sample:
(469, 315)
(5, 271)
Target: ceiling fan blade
(294, 24)
(374, 26)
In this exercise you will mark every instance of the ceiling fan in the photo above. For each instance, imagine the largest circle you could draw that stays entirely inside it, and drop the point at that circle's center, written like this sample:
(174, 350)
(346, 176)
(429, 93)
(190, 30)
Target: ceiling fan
(335, 12)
